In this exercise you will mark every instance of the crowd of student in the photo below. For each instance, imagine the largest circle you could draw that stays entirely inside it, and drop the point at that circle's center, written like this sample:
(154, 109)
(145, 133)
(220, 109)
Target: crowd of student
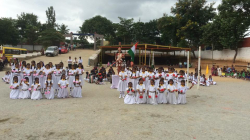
(31, 80)
(157, 86)
(231, 72)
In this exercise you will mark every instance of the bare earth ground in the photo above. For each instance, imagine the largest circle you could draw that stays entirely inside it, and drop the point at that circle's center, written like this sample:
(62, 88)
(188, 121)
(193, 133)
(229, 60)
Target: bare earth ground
(217, 112)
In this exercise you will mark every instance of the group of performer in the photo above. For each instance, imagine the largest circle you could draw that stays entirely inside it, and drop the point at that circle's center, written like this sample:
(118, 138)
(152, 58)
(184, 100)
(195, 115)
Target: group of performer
(31, 80)
(156, 86)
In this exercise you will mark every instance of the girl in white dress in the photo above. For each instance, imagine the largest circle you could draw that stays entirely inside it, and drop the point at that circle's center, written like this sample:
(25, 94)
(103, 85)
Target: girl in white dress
(28, 73)
(36, 94)
(49, 92)
(122, 85)
(77, 91)
(211, 81)
(152, 95)
(46, 71)
(25, 92)
(195, 79)
(219, 71)
(63, 84)
(171, 97)
(69, 62)
(161, 75)
(204, 81)
(6, 77)
(80, 72)
(130, 97)
(143, 76)
(162, 98)
(80, 60)
(16, 72)
(150, 77)
(38, 72)
(133, 78)
(14, 88)
(180, 77)
(57, 78)
(72, 73)
(182, 93)
(141, 97)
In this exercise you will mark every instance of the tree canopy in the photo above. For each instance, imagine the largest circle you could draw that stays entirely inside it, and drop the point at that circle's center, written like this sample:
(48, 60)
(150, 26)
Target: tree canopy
(8, 31)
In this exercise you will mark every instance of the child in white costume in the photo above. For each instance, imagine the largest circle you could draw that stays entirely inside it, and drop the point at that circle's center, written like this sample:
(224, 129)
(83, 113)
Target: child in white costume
(77, 91)
(161, 90)
(28, 73)
(150, 76)
(14, 88)
(80, 72)
(211, 81)
(6, 77)
(57, 77)
(63, 84)
(16, 72)
(38, 73)
(143, 76)
(49, 92)
(72, 73)
(36, 94)
(133, 78)
(130, 97)
(180, 77)
(182, 93)
(25, 90)
(171, 97)
(152, 95)
(141, 97)
(122, 85)
(204, 81)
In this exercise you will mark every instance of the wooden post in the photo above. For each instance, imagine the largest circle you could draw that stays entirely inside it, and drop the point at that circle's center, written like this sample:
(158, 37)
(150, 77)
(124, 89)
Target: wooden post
(187, 67)
(199, 68)
(145, 55)
(139, 56)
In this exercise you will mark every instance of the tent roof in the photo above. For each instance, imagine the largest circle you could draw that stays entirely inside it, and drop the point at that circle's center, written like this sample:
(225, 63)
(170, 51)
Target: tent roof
(147, 46)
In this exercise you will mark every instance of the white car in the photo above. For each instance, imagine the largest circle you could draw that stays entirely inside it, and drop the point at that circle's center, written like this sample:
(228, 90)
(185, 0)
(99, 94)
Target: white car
(52, 51)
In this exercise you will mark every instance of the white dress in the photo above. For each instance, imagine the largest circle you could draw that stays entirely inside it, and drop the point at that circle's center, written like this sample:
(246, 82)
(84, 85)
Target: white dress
(71, 78)
(203, 82)
(16, 72)
(171, 97)
(130, 97)
(46, 71)
(39, 74)
(24, 93)
(143, 75)
(195, 80)
(28, 73)
(179, 79)
(80, 72)
(133, 79)
(6, 78)
(150, 76)
(219, 71)
(77, 91)
(151, 95)
(122, 85)
(211, 81)
(140, 100)
(14, 94)
(182, 95)
(56, 78)
(157, 80)
(49, 93)
(63, 92)
(36, 94)
(162, 98)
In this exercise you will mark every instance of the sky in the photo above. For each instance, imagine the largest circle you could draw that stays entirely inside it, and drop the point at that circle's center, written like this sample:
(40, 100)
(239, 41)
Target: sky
(74, 12)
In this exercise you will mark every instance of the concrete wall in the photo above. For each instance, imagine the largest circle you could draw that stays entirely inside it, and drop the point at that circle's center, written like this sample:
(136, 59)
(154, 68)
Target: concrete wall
(93, 60)
(28, 47)
(226, 54)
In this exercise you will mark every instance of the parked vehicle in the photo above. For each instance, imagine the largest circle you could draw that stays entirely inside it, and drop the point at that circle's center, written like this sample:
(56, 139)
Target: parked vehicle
(52, 51)
(8, 52)
(64, 50)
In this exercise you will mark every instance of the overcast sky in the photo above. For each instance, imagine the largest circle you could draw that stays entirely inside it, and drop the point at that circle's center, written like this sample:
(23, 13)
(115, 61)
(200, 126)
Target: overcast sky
(74, 12)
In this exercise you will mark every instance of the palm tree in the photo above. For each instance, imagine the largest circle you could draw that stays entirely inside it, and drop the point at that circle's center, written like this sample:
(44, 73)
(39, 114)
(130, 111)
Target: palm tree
(63, 29)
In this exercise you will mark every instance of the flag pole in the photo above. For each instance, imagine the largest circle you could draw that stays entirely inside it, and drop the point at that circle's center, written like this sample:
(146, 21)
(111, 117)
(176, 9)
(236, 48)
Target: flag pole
(199, 66)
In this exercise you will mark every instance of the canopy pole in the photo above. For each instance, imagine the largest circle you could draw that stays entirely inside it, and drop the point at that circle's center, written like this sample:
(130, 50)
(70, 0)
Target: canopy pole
(199, 67)
(187, 68)
(145, 62)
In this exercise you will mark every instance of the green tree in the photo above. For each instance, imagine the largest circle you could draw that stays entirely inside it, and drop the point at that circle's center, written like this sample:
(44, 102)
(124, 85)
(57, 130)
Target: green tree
(63, 29)
(125, 29)
(168, 26)
(98, 24)
(9, 33)
(191, 16)
(151, 32)
(50, 37)
(51, 17)
(234, 22)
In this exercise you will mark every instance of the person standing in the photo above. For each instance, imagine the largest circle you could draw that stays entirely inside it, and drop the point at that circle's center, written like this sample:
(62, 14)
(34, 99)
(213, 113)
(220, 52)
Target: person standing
(69, 62)
(60, 50)
(80, 60)
(74, 47)
(75, 62)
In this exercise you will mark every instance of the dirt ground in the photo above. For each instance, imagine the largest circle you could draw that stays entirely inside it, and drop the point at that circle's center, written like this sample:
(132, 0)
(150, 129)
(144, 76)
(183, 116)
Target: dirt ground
(217, 112)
